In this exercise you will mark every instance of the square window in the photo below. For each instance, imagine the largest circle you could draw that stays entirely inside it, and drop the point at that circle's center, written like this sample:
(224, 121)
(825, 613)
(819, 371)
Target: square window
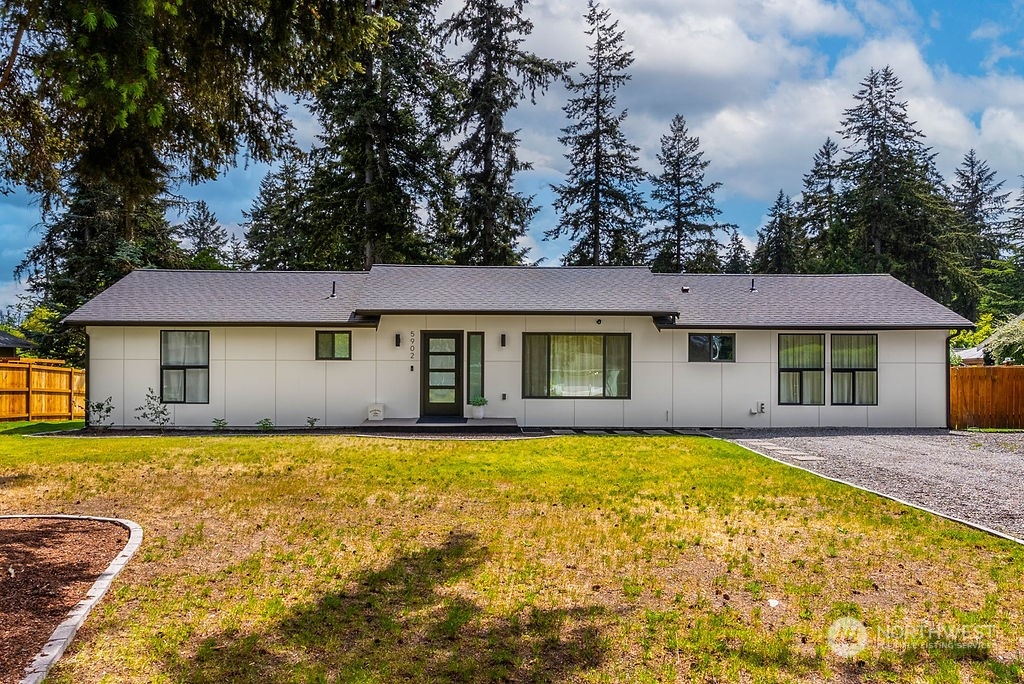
(709, 347)
(333, 346)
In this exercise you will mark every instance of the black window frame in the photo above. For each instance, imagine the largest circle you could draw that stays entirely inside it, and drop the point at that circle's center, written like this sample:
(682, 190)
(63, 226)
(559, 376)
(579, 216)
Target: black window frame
(801, 370)
(852, 371)
(184, 368)
(689, 348)
(470, 336)
(316, 345)
(604, 364)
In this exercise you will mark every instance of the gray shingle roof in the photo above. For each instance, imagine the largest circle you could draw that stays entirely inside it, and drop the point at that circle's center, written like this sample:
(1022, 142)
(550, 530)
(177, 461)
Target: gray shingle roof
(805, 301)
(149, 297)
(9, 340)
(513, 289)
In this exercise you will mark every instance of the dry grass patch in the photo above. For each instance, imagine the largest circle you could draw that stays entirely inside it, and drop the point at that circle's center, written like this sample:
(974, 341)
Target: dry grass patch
(598, 559)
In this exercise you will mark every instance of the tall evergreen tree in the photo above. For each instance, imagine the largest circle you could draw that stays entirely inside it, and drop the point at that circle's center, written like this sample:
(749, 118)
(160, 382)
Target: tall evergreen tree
(380, 163)
(685, 205)
(206, 239)
(820, 212)
(737, 256)
(780, 244)
(599, 203)
(275, 226)
(496, 73)
(82, 252)
(982, 234)
(1004, 277)
(898, 216)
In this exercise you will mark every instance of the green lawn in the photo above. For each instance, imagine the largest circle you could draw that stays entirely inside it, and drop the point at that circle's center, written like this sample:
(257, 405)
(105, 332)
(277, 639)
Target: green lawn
(595, 559)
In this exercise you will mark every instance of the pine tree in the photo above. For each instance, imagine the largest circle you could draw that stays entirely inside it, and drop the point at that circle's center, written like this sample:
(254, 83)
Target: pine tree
(496, 73)
(899, 219)
(820, 212)
(82, 252)
(982, 231)
(380, 162)
(737, 256)
(685, 205)
(1004, 277)
(599, 204)
(275, 226)
(207, 240)
(780, 244)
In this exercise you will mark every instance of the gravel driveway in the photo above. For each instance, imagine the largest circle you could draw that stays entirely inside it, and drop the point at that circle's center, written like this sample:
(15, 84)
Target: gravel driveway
(978, 477)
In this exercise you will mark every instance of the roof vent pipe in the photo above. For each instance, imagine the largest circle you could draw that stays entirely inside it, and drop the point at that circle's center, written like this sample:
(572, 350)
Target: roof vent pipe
(334, 289)
(685, 289)
(752, 288)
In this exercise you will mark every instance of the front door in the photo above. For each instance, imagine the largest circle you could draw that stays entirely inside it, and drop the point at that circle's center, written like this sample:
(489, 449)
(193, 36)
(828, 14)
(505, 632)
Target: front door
(441, 373)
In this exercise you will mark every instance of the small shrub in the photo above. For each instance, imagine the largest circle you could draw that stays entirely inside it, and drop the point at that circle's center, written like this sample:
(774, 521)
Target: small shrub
(311, 422)
(265, 424)
(98, 412)
(153, 411)
(478, 401)
(219, 424)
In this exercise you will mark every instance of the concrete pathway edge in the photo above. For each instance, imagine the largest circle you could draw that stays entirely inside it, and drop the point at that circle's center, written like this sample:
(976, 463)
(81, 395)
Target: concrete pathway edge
(61, 638)
(890, 497)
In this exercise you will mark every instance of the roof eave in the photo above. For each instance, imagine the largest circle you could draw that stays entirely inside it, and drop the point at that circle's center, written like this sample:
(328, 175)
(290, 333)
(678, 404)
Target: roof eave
(366, 322)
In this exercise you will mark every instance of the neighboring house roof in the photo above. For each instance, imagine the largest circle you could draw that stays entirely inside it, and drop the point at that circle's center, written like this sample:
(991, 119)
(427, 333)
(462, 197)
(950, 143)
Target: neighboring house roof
(872, 301)
(13, 341)
(514, 290)
(148, 297)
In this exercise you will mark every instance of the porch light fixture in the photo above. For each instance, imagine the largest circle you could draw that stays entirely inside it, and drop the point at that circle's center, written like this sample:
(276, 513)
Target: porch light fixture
(504, 340)
(398, 339)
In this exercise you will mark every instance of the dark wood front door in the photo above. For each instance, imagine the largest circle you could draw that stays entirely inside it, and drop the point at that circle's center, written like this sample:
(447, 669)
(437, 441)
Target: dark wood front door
(441, 373)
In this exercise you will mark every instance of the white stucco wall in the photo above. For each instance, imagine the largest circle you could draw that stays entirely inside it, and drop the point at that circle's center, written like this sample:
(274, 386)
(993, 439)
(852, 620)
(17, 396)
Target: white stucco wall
(271, 373)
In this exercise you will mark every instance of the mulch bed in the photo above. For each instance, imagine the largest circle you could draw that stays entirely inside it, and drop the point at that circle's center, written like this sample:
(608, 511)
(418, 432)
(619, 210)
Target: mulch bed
(47, 565)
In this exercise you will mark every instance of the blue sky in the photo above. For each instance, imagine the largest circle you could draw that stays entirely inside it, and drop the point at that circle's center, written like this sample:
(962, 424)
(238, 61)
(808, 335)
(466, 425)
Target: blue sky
(762, 82)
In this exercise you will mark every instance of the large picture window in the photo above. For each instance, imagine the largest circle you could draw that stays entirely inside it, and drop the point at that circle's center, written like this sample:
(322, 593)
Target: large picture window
(185, 366)
(802, 369)
(855, 370)
(333, 346)
(575, 366)
(704, 347)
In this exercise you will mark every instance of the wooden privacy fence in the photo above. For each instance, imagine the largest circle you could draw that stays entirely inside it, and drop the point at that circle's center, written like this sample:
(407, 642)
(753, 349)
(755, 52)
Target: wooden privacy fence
(986, 396)
(41, 389)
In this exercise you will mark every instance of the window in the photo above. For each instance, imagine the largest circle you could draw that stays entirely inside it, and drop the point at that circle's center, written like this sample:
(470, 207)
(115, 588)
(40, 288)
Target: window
(333, 346)
(474, 365)
(185, 366)
(575, 366)
(802, 369)
(712, 348)
(855, 370)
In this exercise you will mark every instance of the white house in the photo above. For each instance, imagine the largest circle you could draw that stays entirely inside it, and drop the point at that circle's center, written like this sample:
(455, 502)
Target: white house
(600, 347)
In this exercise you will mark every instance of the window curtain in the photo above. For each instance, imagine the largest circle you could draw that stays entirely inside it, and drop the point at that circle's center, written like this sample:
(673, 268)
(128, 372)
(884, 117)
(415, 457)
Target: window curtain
(185, 348)
(172, 385)
(616, 365)
(854, 351)
(577, 366)
(535, 365)
(801, 351)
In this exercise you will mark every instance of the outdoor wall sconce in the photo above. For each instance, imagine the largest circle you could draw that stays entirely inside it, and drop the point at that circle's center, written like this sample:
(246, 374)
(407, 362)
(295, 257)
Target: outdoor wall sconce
(398, 339)
(504, 340)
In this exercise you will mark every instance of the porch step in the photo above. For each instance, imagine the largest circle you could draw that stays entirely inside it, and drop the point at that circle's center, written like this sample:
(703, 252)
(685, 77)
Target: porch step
(483, 426)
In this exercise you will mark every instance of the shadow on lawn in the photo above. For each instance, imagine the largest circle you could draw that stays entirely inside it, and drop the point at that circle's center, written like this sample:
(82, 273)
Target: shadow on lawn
(401, 624)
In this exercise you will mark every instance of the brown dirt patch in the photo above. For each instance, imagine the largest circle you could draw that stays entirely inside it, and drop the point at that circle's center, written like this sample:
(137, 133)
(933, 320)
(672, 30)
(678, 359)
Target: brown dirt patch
(46, 566)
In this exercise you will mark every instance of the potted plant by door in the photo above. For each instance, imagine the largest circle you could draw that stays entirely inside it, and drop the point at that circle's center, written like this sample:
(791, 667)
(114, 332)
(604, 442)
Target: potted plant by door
(478, 404)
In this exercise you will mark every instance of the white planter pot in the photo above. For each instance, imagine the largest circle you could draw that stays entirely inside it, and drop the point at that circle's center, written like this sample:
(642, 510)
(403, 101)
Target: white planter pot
(477, 412)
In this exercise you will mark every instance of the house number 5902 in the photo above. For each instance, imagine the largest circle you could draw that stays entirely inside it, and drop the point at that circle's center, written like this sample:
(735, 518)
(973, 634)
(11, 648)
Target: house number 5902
(412, 344)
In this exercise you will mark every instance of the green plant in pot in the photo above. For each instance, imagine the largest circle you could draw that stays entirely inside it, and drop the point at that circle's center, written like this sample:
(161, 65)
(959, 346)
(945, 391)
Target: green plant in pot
(478, 404)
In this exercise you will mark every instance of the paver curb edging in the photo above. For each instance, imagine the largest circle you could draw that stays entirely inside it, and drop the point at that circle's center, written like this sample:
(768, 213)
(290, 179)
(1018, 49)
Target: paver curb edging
(61, 638)
(890, 497)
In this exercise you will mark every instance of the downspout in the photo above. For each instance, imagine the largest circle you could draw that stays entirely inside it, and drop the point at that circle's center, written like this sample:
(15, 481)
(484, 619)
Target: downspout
(949, 368)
